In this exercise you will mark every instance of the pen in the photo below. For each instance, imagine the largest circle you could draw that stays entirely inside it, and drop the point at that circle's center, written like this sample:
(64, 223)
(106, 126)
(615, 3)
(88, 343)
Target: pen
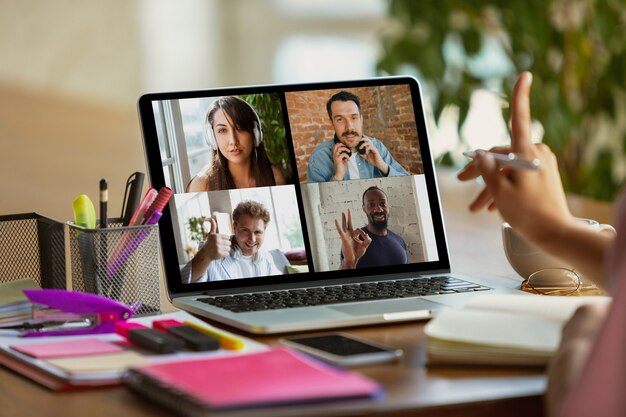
(104, 198)
(158, 204)
(115, 263)
(147, 200)
(227, 342)
(132, 196)
(510, 159)
(126, 249)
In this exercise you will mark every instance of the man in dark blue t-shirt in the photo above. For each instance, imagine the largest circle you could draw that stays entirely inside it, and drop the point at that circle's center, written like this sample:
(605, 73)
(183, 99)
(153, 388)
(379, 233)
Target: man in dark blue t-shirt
(374, 244)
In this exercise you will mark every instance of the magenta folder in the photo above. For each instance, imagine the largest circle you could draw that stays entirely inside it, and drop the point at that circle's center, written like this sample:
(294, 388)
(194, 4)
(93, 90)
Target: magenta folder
(271, 377)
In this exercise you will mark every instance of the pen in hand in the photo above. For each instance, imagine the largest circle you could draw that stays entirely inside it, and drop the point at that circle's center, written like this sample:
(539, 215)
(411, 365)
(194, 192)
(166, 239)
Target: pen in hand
(104, 197)
(510, 159)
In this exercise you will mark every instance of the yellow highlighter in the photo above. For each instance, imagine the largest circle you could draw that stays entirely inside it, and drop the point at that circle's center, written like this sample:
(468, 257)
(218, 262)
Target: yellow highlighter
(84, 212)
(227, 342)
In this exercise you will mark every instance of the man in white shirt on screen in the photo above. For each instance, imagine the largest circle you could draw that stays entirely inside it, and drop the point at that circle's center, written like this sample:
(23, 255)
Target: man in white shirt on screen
(223, 257)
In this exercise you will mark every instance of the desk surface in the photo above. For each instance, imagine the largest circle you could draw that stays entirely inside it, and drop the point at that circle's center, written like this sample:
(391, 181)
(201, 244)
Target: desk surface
(411, 388)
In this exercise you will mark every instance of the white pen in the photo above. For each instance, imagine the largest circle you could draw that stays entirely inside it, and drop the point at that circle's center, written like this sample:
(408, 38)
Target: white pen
(510, 159)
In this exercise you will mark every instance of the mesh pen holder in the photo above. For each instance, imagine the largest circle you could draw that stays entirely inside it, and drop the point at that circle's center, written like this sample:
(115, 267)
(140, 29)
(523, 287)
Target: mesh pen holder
(121, 263)
(32, 246)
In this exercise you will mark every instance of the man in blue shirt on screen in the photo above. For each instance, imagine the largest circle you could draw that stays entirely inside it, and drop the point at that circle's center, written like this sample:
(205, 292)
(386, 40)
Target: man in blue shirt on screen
(373, 244)
(350, 155)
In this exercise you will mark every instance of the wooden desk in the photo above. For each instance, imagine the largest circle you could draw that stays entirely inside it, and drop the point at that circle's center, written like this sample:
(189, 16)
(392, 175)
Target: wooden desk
(411, 388)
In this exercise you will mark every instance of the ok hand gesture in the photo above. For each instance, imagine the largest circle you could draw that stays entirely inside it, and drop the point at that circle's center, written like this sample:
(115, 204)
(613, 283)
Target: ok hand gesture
(354, 243)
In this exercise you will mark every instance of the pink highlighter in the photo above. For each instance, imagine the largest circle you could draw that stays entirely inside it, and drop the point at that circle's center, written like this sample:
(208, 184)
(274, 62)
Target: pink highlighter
(158, 204)
(146, 202)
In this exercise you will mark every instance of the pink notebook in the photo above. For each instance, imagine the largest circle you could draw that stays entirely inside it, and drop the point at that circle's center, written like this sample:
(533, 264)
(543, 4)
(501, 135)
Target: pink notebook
(272, 377)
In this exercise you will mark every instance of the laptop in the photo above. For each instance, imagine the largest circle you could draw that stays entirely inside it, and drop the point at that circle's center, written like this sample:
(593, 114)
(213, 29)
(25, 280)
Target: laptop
(301, 207)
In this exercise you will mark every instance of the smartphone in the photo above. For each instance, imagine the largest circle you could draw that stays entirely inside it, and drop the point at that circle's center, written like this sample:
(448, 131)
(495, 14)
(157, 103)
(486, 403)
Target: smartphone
(342, 349)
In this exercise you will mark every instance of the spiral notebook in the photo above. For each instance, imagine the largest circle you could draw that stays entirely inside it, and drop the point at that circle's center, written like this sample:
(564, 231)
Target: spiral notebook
(277, 376)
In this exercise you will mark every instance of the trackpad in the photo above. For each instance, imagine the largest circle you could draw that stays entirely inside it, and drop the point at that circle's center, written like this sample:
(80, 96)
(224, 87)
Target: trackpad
(383, 307)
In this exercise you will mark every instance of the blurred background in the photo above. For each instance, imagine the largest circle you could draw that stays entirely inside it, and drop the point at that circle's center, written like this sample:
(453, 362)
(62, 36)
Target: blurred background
(71, 72)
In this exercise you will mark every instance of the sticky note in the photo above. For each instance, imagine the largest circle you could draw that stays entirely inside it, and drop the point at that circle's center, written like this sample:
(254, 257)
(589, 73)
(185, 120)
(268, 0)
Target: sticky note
(69, 348)
(111, 362)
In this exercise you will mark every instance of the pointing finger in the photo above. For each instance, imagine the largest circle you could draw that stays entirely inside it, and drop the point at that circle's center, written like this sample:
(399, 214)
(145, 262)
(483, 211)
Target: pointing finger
(520, 115)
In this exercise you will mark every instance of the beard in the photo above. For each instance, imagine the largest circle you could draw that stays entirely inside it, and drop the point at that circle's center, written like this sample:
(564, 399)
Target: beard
(379, 224)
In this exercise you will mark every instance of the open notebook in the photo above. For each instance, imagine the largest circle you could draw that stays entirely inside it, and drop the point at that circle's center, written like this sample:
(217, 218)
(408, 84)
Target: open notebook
(310, 158)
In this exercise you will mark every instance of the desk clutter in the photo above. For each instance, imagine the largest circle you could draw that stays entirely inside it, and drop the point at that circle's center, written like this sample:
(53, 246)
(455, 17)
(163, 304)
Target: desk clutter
(72, 362)
(77, 340)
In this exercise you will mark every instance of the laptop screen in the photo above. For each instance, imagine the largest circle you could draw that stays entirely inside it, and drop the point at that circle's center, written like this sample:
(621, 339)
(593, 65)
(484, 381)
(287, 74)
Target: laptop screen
(292, 183)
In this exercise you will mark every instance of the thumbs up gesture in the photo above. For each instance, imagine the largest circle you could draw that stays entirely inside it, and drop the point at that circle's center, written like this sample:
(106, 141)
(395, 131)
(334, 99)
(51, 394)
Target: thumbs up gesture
(217, 246)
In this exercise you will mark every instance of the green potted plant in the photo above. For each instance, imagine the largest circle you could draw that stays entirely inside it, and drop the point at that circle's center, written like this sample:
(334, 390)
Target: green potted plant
(269, 108)
(197, 233)
(574, 48)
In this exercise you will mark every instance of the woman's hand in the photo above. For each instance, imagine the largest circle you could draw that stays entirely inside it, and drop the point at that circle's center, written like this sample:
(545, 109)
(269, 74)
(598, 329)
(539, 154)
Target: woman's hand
(533, 202)
(567, 364)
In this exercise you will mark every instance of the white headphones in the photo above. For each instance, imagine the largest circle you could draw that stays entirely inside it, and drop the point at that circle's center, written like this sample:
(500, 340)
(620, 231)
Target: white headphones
(256, 131)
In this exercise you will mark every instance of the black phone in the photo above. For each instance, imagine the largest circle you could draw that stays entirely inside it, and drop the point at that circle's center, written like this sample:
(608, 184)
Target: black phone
(361, 150)
(342, 349)
(346, 151)
(349, 152)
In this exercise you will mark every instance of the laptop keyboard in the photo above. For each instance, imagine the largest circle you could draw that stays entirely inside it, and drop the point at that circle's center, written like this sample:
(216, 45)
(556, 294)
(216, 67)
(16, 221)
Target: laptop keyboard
(336, 294)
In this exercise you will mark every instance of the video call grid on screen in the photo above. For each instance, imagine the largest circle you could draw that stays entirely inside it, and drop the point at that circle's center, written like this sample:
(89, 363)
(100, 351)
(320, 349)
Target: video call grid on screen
(301, 239)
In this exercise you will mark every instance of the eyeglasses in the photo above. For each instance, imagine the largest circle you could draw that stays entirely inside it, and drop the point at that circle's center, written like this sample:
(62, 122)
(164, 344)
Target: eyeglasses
(558, 281)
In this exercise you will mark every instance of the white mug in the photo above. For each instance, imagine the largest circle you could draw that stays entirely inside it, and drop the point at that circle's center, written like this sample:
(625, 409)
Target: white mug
(526, 258)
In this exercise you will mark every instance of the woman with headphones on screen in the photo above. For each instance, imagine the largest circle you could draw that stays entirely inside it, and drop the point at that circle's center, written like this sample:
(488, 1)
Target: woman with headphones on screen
(238, 158)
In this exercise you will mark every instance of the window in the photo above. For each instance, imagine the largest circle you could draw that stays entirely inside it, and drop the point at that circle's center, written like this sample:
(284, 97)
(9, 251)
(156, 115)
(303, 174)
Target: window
(180, 130)
(302, 58)
(284, 230)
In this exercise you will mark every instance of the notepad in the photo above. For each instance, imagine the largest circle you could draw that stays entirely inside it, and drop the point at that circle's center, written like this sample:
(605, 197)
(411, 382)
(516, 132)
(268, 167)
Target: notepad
(272, 377)
(70, 348)
(14, 306)
(107, 363)
(522, 330)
